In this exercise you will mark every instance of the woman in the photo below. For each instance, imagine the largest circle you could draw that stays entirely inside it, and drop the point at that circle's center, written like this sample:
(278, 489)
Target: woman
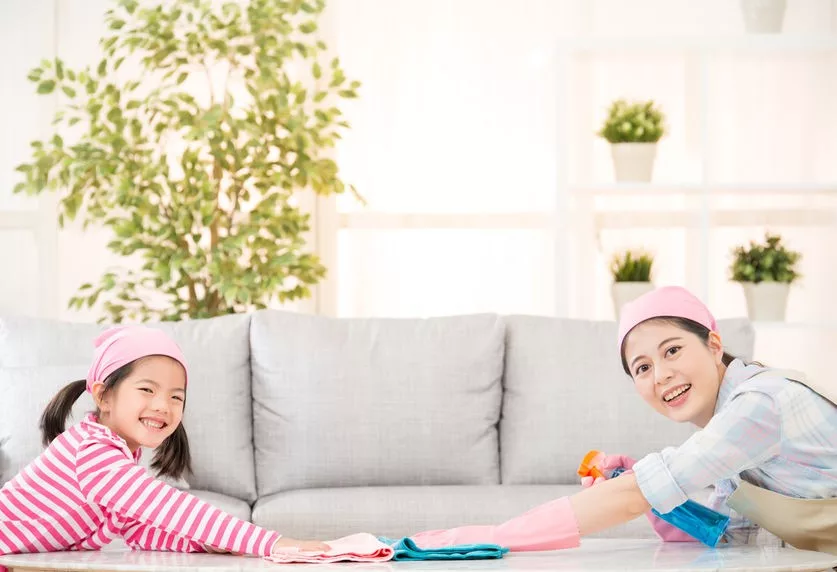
(767, 441)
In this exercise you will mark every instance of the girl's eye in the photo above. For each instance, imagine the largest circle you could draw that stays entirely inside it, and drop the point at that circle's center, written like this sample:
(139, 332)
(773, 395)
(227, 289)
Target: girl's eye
(146, 389)
(672, 350)
(641, 369)
(177, 397)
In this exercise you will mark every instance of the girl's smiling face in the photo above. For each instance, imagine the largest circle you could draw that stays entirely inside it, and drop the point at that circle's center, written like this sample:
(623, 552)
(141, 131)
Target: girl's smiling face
(147, 405)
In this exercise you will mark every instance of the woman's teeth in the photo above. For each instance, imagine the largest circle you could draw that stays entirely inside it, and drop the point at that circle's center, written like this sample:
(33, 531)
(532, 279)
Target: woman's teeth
(677, 392)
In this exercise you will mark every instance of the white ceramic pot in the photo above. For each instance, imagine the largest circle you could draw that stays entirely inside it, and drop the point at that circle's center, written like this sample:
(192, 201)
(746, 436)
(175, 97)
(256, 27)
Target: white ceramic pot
(766, 301)
(763, 16)
(633, 162)
(624, 292)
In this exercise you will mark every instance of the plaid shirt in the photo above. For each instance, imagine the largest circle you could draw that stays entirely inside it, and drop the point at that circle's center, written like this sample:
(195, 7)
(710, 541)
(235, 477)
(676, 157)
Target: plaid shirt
(770, 432)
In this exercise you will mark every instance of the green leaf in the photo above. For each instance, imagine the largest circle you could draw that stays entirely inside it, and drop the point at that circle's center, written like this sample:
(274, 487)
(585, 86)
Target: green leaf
(308, 27)
(46, 86)
(68, 91)
(182, 77)
(103, 66)
(117, 24)
(316, 70)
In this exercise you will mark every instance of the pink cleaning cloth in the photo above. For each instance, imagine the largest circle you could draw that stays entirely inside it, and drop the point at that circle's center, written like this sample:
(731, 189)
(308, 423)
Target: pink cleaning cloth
(663, 530)
(361, 547)
(550, 526)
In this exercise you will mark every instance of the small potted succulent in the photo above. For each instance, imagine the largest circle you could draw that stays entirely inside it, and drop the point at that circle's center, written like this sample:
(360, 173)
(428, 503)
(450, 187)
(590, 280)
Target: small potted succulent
(631, 272)
(633, 130)
(766, 271)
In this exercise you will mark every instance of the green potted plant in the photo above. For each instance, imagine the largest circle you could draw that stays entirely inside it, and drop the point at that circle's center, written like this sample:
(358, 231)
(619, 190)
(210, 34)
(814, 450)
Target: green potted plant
(766, 271)
(631, 271)
(195, 156)
(633, 130)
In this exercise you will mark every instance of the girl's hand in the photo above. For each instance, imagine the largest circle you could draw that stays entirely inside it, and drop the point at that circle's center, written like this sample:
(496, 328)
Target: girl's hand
(300, 545)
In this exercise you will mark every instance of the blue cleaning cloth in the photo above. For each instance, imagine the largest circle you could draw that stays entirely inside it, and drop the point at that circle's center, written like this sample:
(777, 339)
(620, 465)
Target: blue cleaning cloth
(406, 549)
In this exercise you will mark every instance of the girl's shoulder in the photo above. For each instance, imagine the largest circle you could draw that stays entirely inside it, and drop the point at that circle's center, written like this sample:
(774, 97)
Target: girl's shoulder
(91, 433)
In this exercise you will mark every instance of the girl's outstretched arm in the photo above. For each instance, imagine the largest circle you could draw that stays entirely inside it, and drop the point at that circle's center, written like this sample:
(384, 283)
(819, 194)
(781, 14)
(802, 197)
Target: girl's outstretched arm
(110, 479)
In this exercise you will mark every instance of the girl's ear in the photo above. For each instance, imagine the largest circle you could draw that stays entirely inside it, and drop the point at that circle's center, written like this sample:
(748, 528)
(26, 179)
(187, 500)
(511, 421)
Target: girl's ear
(100, 397)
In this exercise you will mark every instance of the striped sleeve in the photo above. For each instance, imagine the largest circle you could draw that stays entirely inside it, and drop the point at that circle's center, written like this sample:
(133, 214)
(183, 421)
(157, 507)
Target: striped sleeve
(141, 536)
(110, 479)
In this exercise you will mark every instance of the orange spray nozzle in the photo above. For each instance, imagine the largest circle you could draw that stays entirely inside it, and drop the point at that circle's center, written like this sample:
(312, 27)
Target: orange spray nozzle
(588, 467)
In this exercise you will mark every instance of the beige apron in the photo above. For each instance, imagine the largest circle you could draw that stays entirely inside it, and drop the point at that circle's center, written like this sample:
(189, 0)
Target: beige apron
(808, 524)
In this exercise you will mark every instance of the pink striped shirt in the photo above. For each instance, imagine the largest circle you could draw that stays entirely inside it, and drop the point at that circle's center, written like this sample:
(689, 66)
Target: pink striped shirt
(86, 489)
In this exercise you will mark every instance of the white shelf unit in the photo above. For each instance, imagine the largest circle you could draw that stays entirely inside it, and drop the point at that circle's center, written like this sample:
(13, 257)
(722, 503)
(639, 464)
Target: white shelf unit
(700, 206)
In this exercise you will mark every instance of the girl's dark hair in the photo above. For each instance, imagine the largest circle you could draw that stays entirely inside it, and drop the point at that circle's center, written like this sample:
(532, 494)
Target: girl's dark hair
(699, 330)
(172, 458)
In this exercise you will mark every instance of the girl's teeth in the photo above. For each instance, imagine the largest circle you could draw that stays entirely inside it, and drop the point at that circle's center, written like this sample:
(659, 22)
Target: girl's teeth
(152, 424)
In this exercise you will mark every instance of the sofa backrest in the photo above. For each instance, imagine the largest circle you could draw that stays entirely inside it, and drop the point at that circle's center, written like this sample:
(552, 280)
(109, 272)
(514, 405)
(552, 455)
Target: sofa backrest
(38, 357)
(354, 402)
(565, 393)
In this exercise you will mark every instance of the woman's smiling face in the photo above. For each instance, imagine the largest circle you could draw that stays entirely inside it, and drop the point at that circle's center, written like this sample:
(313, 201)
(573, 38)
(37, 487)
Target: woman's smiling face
(675, 372)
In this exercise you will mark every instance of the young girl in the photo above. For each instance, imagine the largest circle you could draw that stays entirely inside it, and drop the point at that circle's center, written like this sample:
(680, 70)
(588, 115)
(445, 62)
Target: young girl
(767, 441)
(86, 488)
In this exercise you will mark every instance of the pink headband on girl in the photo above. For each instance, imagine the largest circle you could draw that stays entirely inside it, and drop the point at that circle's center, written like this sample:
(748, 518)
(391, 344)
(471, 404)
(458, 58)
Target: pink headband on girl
(121, 345)
(667, 301)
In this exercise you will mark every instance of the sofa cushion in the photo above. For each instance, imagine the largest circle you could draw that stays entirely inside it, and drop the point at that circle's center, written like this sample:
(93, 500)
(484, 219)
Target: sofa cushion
(236, 507)
(38, 357)
(401, 511)
(566, 393)
(4, 461)
(355, 402)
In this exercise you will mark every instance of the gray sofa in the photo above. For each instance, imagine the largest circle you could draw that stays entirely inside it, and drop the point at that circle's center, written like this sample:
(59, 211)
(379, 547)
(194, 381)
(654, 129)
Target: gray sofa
(319, 427)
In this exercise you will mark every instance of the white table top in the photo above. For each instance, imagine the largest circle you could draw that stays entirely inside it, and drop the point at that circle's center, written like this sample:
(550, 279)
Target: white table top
(594, 554)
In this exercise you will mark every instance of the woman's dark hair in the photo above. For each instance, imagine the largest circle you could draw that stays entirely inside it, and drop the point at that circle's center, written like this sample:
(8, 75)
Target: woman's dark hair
(172, 458)
(699, 330)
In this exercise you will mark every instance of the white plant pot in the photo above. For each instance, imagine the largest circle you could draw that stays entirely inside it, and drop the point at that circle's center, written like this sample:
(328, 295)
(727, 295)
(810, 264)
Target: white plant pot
(766, 301)
(633, 162)
(763, 16)
(624, 292)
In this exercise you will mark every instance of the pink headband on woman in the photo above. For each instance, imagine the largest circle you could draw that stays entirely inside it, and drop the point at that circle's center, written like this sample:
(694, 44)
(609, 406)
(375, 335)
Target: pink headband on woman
(121, 345)
(666, 301)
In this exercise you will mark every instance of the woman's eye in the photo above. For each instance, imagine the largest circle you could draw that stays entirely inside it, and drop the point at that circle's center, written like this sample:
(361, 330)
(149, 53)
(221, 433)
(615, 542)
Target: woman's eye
(641, 369)
(146, 389)
(672, 350)
(177, 397)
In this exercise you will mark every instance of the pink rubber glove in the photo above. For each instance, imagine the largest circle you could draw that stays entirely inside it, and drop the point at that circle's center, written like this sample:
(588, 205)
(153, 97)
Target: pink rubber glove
(550, 526)
(664, 530)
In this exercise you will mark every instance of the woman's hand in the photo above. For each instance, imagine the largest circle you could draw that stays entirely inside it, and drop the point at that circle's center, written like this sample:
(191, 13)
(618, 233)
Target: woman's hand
(610, 462)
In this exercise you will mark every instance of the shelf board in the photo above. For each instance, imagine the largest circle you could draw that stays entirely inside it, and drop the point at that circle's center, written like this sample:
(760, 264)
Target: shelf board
(752, 44)
(817, 326)
(397, 220)
(698, 189)
(609, 219)
(680, 218)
